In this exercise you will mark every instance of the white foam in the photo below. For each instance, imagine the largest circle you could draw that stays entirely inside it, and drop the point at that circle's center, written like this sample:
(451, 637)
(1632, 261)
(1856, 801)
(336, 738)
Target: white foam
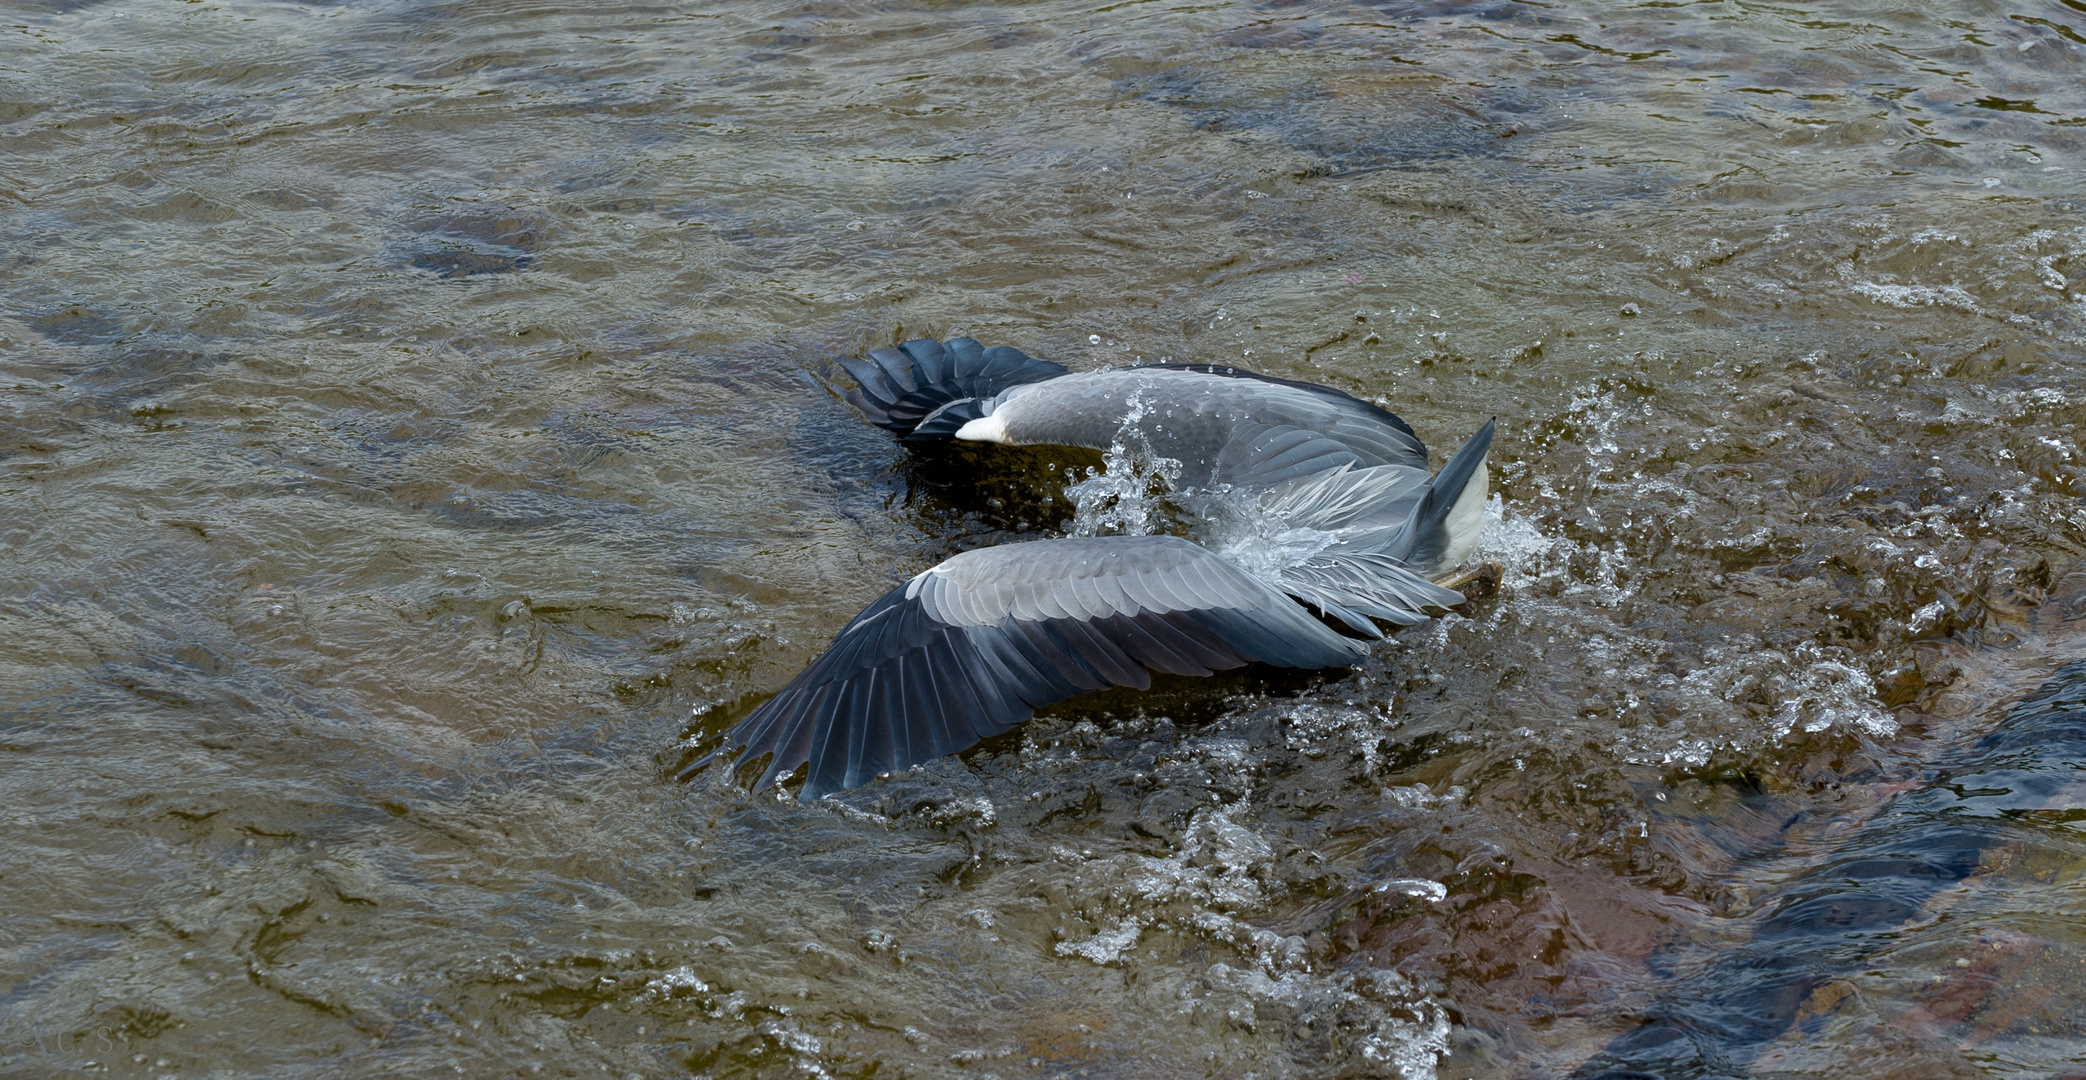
(1261, 544)
(1915, 296)
(1212, 888)
(681, 980)
(1434, 892)
(1108, 946)
(1700, 708)
(1827, 694)
(1515, 544)
(1127, 496)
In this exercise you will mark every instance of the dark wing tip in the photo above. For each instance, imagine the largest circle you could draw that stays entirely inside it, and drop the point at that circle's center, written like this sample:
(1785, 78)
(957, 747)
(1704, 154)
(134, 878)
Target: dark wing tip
(899, 387)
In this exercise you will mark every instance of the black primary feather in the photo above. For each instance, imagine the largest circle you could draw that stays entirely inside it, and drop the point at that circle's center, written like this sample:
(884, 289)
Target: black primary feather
(898, 389)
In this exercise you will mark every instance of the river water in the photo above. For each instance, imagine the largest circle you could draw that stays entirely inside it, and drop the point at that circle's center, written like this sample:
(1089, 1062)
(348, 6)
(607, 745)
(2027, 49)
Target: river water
(418, 433)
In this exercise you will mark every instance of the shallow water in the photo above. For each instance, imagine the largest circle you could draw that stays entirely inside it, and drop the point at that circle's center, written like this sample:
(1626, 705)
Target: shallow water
(412, 439)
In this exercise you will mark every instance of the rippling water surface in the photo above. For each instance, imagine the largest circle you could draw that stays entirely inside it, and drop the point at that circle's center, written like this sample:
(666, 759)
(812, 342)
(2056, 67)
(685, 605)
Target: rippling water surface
(413, 442)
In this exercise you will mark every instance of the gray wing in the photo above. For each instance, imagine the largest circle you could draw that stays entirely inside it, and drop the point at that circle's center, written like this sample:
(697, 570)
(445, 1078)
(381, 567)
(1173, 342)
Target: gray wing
(1385, 432)
(1245, 429)
(974, 646)
(1267, 455)
(1346, 584)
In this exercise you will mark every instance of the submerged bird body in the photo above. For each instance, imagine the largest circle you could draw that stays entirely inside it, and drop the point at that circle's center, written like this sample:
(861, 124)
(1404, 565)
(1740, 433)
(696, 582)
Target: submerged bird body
(1225, 428)
(1317, 502)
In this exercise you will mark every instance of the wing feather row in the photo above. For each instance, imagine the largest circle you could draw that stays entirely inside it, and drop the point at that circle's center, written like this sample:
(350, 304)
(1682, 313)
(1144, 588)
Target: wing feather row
(1382, 434)
(1267, 455)
(1347, 498)
(1367, 583)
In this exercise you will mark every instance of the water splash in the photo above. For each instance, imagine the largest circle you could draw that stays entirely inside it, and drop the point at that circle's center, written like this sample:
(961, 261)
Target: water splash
(1238, 526)
(1825, 694)
(1127, 496)
(1667, 707)
(1521, 549)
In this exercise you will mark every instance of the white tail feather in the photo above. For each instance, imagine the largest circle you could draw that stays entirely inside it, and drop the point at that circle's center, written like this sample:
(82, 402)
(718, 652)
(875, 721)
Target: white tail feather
(1466, 520)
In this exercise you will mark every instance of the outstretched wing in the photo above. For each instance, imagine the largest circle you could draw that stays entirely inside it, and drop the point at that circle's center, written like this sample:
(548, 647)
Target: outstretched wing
(974, 646)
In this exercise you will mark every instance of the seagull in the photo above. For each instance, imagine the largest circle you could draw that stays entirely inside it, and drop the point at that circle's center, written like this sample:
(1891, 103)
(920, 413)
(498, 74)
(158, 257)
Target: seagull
(1327, 516)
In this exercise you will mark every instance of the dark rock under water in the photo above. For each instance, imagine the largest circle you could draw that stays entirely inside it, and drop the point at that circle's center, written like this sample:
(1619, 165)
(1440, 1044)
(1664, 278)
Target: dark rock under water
(1986, 806)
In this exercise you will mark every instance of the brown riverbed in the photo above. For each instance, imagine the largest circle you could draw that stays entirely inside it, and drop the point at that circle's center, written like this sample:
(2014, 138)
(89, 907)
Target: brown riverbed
(413, 437)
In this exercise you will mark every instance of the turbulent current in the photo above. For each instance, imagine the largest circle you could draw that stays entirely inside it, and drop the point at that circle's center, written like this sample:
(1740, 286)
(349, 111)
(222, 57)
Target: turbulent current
(419, 436)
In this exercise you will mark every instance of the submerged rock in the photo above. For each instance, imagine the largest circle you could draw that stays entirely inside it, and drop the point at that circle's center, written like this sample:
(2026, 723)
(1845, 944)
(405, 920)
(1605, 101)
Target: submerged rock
(1902, 870)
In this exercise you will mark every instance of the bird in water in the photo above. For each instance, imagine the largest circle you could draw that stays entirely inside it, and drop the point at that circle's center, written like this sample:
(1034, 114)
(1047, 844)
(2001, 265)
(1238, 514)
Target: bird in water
(1317, 509)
